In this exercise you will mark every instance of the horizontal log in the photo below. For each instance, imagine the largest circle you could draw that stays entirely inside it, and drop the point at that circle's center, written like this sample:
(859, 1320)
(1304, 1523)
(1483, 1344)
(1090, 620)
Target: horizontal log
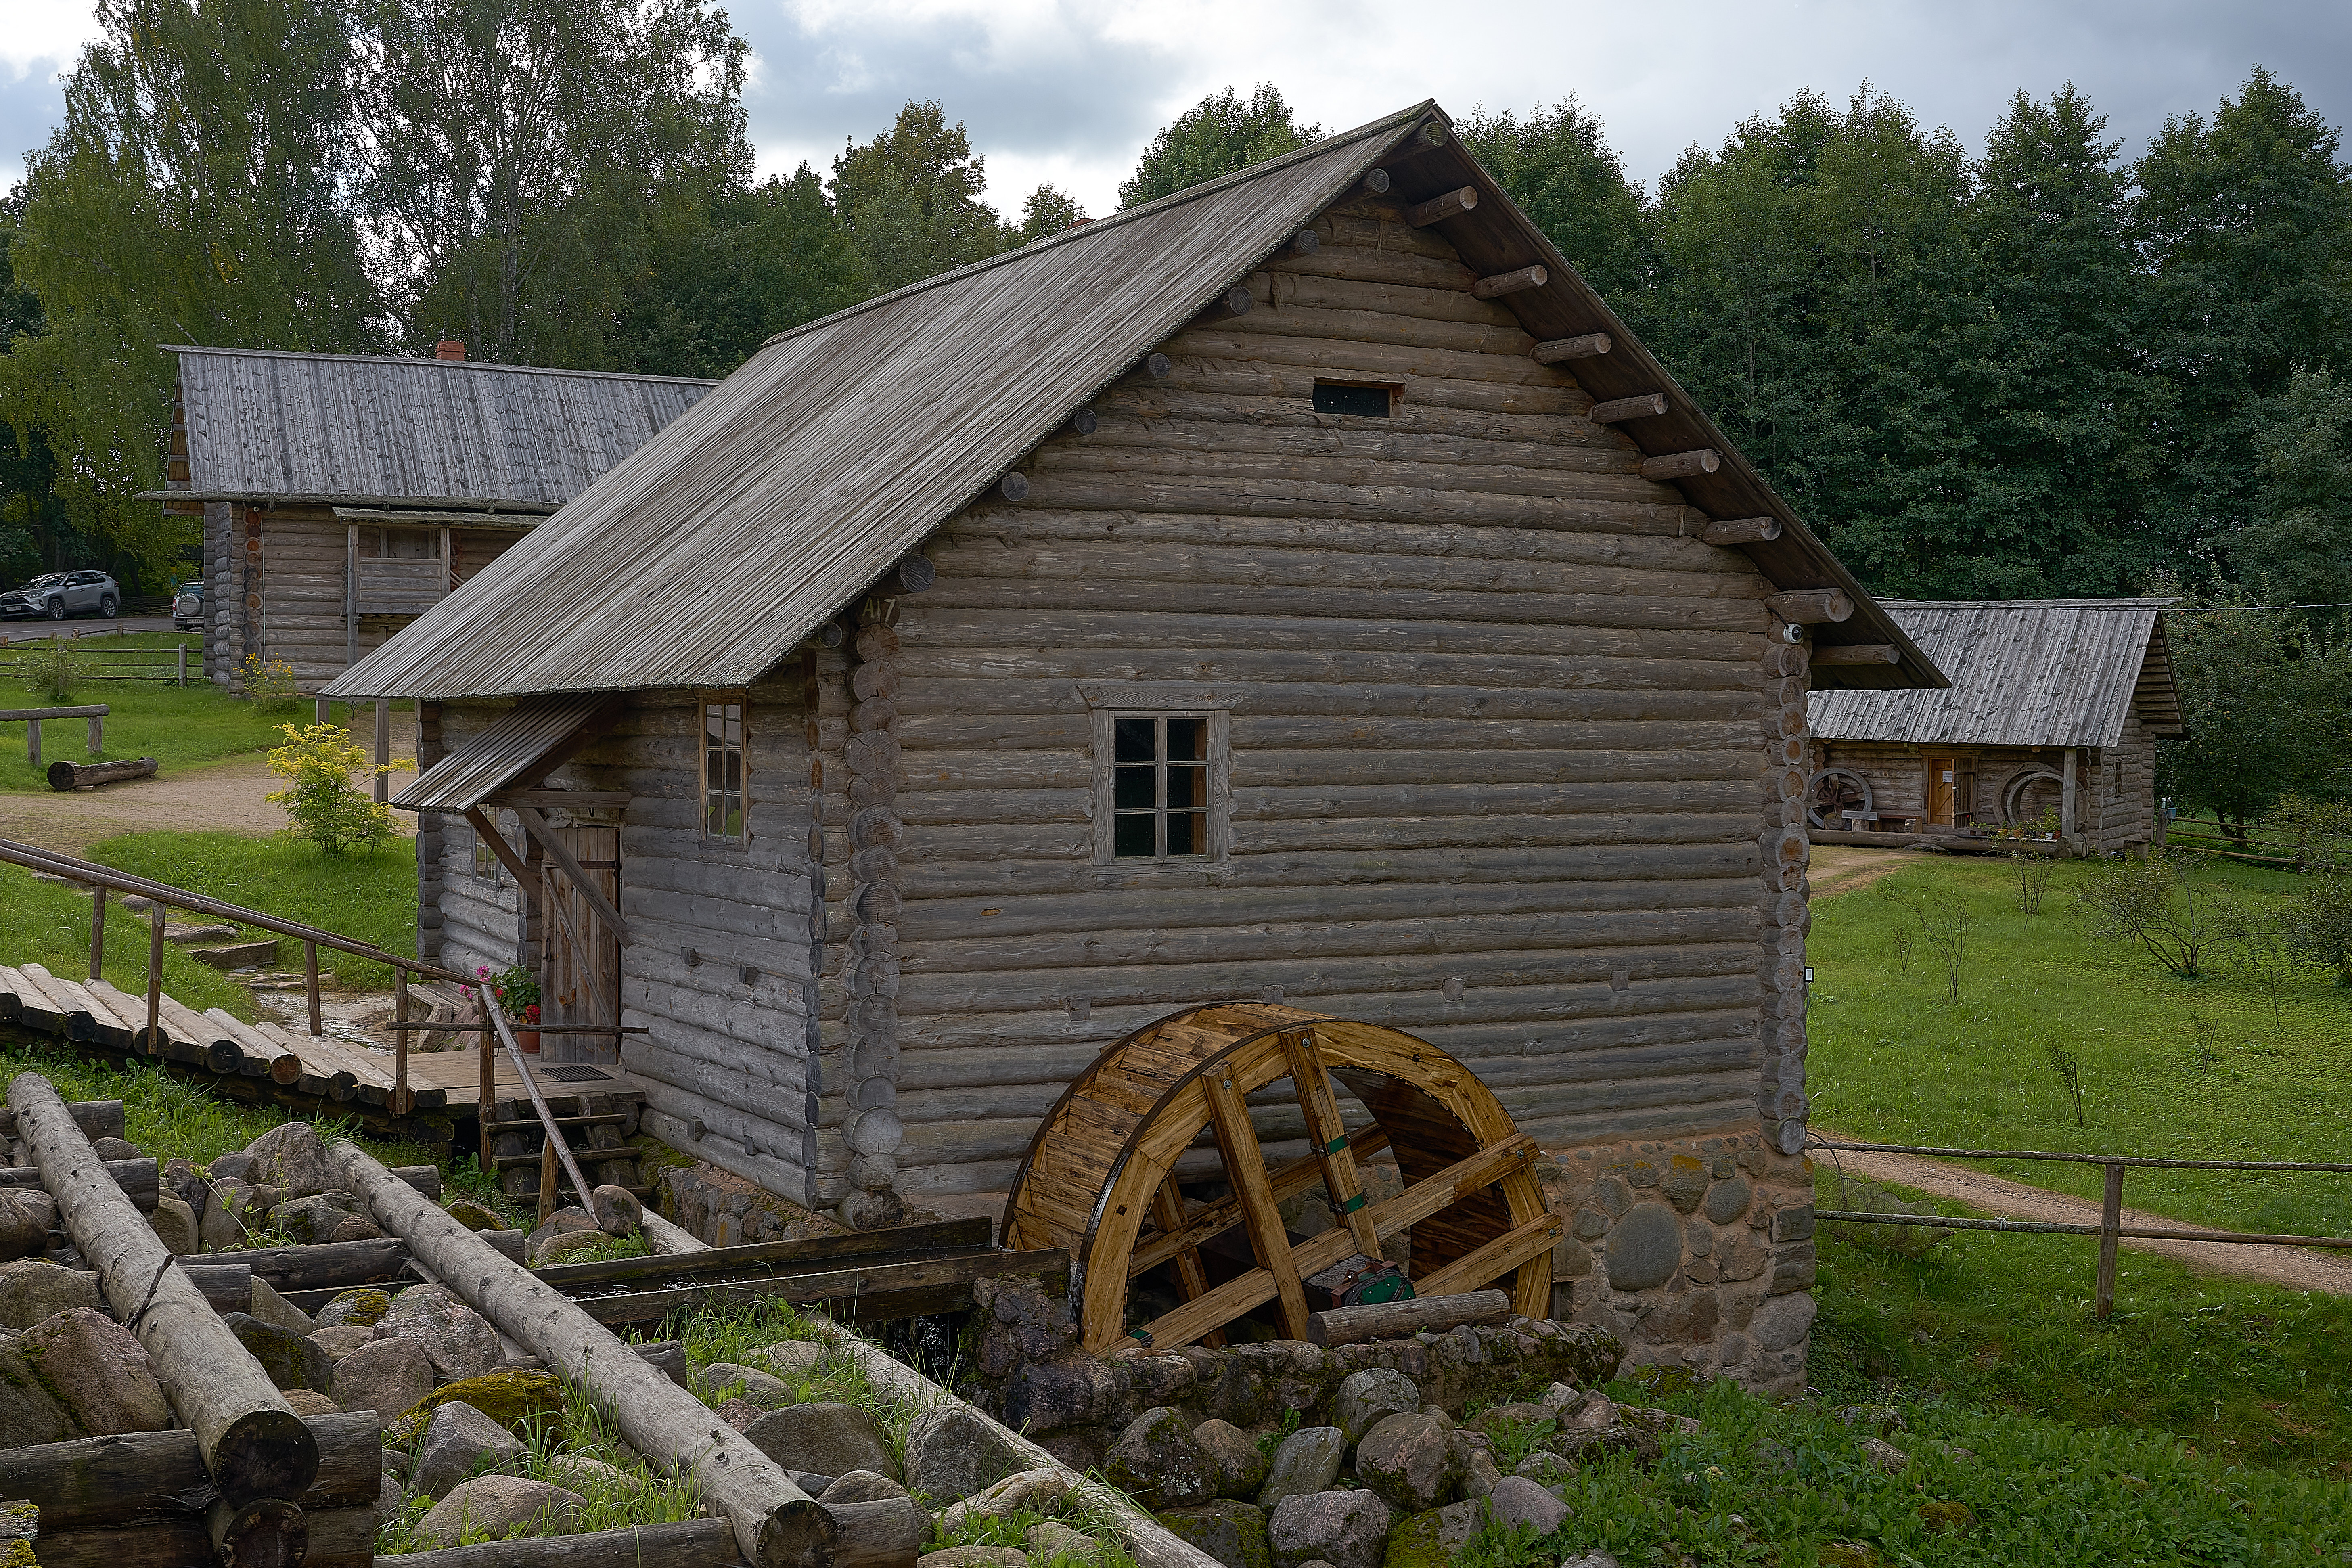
(1398, 1320)
(873, 1291)
(137, 1179)
(65, 775)
(690, 1543)
(1642, 405)
(1014, 486)
(1836, 654)
(323, 1265)
(1682, 465)
(1513, 282)
(1590, 345)
(1810, 607)
(96, 1118)
(1463, 199)
(138, 1478)
(1730, 531)
(1377, 179)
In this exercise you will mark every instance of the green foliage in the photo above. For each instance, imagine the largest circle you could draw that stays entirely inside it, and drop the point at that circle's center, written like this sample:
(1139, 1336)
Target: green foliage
(2172, 905)
(266, 682)
(2266, 698)
(1047, 211)
(318, 762)
(2298, 547)
(516, 989)
(179, 726)
(49, 669)
(1557, 163)
(911, 199)
(1218, 135)
(607, 1249)
(1515, 1442)
(2318, 924)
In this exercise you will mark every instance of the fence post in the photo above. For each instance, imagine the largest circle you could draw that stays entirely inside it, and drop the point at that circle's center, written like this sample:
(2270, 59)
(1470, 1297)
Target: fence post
(97, 929)
(183, 663)
(382, 750)
(2111, 1220)
(400, 1094)
(97, 733)
(153, 1043)
(310, 977)
(318, 710)
(33, 742)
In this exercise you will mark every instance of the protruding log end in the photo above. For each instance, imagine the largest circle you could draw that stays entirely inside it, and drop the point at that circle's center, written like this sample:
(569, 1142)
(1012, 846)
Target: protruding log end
(1810, 607)
(800, 1534)
(1682, 465)
(1591, 345)
(1866, 653)
(1377, 181)
(264, 1453)
(1462, 200)
(221, 1056)
(269, 1533)
(833, 633)
(1305, 242)
(1730, 531)
(1502, 283)
(1644, 405)
(1085, 422)
(1014, 486)
(916, 573)
(1432, 134)
(1158, 366)
(286, 1069)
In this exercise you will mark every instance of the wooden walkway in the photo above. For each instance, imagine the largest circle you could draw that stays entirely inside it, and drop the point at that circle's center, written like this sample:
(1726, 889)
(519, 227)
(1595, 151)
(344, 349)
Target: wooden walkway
(267, 1060)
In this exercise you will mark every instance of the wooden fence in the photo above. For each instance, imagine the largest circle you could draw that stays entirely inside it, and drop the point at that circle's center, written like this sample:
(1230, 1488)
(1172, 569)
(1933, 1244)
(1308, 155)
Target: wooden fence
(2205, 836)
(166, 663)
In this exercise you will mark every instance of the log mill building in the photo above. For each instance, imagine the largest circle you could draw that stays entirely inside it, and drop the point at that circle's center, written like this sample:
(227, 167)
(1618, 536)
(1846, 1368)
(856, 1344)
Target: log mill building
(1300, 587)
(344, 495)
(2050, 720)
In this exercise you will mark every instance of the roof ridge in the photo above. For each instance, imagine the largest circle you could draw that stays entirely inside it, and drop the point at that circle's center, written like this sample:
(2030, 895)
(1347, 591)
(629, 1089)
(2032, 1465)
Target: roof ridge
(421, 361)
(1076, 232)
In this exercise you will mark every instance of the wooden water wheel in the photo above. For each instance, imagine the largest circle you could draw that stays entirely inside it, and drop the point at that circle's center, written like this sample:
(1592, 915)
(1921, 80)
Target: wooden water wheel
(1099, 1177)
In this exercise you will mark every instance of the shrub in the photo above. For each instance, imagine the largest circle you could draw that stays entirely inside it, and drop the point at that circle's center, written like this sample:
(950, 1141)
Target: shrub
(2318, 924)
(328, 809)
(51, 670)
(2164, 904)
(268, 683)
(1944, 921)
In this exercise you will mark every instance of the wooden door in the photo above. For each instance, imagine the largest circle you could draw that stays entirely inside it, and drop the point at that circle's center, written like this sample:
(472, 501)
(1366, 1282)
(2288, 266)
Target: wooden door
(1943, 790)
(581, 972)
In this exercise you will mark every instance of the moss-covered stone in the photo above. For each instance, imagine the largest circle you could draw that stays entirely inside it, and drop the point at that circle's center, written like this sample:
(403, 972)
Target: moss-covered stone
(1231, 1532)
(522, 1402)
(1432, 1538)
(474, 1216)
(1955, 1517)
(361, 1307)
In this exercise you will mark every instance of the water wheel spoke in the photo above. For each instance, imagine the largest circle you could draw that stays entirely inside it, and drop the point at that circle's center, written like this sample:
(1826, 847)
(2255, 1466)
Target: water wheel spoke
(1191, 1278)
(1261, 1216)
(1498, 1258)
(1213, 1220)
(1328, 1136)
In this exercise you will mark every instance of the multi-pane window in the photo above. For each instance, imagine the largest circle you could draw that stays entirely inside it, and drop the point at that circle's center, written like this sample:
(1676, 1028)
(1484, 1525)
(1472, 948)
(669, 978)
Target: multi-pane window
(722, 766)
(1160, 787)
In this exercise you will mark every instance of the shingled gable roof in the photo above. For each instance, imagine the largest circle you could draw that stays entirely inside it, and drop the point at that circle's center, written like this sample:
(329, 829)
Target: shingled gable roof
(709, 555)
(2025, 672)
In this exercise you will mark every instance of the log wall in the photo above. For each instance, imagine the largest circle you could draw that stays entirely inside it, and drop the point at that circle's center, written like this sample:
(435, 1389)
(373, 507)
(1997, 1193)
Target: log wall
(2115, 785)
(1494, 724)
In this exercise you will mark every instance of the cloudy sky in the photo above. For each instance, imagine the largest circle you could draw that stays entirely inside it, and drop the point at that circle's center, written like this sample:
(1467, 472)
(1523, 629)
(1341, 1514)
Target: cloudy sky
(1068, 92)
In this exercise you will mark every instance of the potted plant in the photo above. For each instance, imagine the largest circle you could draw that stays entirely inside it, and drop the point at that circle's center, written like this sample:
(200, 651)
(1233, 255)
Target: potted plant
(515, 991)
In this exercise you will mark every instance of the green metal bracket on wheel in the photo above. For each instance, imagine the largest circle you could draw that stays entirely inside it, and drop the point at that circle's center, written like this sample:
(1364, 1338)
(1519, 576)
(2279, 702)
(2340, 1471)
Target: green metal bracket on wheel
(1352, 1205)
(1334, 1146)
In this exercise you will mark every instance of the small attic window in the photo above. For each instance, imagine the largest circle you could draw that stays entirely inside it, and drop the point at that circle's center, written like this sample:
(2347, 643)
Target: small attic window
(1346, 397)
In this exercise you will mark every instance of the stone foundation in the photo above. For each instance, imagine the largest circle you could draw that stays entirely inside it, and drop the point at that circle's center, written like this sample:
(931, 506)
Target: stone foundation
(727, 1210)
(1697, 1254)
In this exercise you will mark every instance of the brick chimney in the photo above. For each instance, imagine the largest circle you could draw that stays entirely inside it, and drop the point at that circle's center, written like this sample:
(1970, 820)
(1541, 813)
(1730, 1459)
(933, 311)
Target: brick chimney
(448, 348)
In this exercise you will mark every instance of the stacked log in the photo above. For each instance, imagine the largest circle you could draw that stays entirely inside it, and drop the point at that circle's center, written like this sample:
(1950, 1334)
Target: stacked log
(876, 832)
(1781, 1103)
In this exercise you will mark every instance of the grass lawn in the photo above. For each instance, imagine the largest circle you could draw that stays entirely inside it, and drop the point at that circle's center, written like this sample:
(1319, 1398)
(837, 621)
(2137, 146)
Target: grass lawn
(372, 897)
(1893, 1062)
(178, 726)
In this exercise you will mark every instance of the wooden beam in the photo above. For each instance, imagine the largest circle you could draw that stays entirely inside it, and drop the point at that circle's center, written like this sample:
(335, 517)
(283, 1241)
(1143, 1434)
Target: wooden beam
(1214, 1219)
(1305, 242)
(1857, 653)
(1168, 1214)
(1014, 486)
(536, 825)
(1158, 366)
(1730, 531)
(1591, 345)
(1327, 1136)
(1498, 1258)
(1810, 607)
(1377, 181)
(1445, 206)
(1245, 1169)
(567, 799)
(1642, 405)
(1502, 283)
(1397, 1319)
(484, 829)
(1682, 465)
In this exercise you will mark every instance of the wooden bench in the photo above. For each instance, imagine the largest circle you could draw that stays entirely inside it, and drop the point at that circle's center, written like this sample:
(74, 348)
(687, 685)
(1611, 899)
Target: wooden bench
(95, 712)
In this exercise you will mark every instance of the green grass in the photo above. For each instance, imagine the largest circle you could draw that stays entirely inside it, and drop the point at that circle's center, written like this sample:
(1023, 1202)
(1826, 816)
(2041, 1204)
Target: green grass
(2237, 1373)
(43, 923)
(178, 726)
(1891, 1062)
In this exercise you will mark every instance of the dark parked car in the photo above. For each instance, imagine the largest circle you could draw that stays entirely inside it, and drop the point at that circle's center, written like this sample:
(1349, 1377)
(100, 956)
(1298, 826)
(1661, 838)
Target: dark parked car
(58, 594)
(188, 607)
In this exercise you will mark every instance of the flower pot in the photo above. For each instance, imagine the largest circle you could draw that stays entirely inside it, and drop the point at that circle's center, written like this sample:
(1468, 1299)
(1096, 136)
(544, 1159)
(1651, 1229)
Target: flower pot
(529, 1040)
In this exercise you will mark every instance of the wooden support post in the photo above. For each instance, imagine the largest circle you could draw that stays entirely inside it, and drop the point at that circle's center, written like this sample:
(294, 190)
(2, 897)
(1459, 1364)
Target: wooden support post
(1682, 465)
(1617, 410)
(536, 825)
(403, 1098)
(1504, 283)
(310, 986)
(319, 708)
(1328, 1136)
(1168, 1214)
(97, 733)
(98, 931)
(1245, 1168)
(776, 1524)
(2067, 802)
(1445, 206)
(183, 663)
(1591, 345)
(252, 1443)
(550, 1197)
(351, 594)
(382, 782)
(2111, 1220)
(33, 742)
(153, 1041)
(1863, 653)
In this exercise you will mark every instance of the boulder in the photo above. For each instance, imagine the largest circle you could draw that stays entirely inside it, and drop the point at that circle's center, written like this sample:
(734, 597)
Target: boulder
(1237, 1466)
(460, 1340)
(356, 1227)
(1368, 1397)
(473, 1215)
(387, 1376)
(235, 1166)
(749, 1383)
(278, 1311)
(292, 1158)
(974, 1557)
(32, 1288)
(363, 1306)
(185, 1180)
(1308, 1460)
(340, 1342)
(309, 1402)
(174, 1225)
(952, 1452)
(494, 1507)
(1517, 1501)
(584, 1475)
(562, 1222)
(1479, 1473)
(524, 1403)
(1231, 1532)
(1157, 1461)
(25, 1220)
(230, 1209)
(616, 1210)
(291, 1360)
(833, 1440)
(97, 1371)
(315, 1216)
(1410, 1460)
(1589, 1560)
(1885, 1455)
(459, 1442)
(30, 1411)
(116, 1148)
(1435, 1538)
(1344, 1529)
(792, 1360)
(861, 1486)
(1039, 1491)
(1051, 1541)
(567, 1246)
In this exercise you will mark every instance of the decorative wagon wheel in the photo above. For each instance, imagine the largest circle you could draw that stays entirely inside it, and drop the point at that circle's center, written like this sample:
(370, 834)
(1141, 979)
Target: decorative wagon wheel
(1832, 794)
(2014, 793)
(1099, 1176)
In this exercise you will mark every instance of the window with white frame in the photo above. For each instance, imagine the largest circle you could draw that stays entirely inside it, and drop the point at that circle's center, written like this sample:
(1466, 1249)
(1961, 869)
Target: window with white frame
(723, 783)
(1160, 787)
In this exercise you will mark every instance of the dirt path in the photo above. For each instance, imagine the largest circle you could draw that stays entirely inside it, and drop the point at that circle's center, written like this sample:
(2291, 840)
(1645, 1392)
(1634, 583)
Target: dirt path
(214, 797)
(2292, 1268)
(1848, 867)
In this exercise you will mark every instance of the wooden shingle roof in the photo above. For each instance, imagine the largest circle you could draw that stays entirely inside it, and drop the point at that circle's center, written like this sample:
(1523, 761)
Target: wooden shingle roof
(2024, 672)
(267, 426)
(808, 475)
